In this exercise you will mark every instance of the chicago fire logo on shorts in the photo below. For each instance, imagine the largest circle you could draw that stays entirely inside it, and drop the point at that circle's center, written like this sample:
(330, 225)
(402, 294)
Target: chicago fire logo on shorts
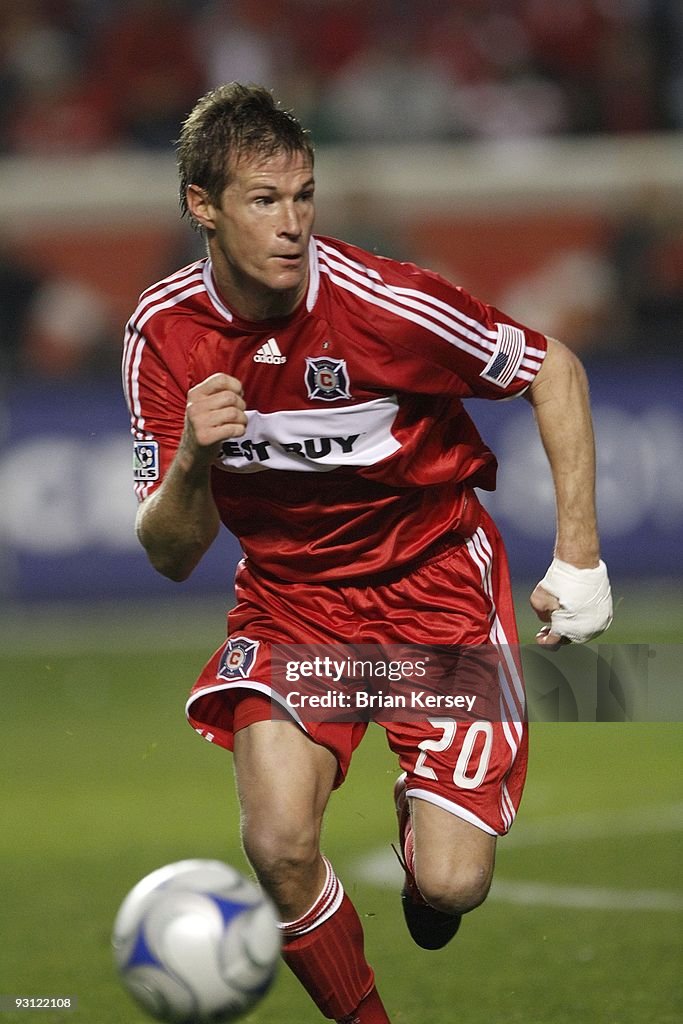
(239, 654)
(327, 378)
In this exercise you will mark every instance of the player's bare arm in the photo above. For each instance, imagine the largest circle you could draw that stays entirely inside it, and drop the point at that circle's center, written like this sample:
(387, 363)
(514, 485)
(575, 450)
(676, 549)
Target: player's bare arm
(178, 523)
(574, 595)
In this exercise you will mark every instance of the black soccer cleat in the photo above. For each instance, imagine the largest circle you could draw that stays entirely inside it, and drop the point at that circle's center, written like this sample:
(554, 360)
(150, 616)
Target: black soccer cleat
(428, 927)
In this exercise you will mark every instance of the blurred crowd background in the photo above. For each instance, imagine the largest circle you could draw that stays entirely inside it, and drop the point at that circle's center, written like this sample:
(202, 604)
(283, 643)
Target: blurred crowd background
(86, 77)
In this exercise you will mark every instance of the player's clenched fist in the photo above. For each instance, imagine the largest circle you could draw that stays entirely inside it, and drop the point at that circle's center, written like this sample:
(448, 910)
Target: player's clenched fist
(577, 604)
(214, 413)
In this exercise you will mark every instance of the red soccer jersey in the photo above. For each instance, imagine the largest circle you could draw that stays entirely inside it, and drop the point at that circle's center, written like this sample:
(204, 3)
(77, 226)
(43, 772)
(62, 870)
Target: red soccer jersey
(358, 454)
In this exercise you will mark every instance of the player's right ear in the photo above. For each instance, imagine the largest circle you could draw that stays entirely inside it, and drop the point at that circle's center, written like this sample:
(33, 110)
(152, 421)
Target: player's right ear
(200, 206)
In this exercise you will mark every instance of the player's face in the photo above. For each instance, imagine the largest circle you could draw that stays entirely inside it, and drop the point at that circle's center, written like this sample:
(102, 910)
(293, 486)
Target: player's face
(261, 230)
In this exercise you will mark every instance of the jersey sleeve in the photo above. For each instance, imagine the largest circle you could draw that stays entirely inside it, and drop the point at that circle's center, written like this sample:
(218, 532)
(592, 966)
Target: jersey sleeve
(484, 352)
(156, 401)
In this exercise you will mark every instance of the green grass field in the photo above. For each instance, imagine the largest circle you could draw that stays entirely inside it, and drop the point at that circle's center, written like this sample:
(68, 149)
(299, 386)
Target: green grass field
(102, 781)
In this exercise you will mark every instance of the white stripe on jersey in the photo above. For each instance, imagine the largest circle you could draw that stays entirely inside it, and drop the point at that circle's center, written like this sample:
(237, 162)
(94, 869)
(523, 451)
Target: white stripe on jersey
(446, 321)
(196, 285)
(216, 300)
(314, 440)
(313, 275)
(382, 296)
(173, 290)
(483, 334)
(163, 295)
(178, 275)
(149, 296)
(136, 409)
(149, 304)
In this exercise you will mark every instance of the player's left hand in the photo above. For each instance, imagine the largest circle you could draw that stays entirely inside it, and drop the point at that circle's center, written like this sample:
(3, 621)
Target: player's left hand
(576, 604)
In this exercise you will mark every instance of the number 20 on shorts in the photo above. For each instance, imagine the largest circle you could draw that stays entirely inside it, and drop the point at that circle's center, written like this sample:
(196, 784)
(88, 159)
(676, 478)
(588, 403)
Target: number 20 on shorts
(466, 775)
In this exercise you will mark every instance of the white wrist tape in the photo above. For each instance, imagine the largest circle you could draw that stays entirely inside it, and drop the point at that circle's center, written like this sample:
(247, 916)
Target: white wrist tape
(585, 600)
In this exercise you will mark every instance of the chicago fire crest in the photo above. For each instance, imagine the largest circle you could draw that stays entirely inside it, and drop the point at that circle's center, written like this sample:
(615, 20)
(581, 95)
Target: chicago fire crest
(327, 378)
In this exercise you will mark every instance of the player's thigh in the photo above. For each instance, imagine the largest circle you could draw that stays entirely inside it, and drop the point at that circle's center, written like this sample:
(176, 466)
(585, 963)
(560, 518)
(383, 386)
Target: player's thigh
(284, 781)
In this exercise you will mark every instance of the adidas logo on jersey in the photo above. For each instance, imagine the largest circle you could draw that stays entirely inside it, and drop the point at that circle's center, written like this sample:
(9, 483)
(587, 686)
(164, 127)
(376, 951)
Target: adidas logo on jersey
(269, 353)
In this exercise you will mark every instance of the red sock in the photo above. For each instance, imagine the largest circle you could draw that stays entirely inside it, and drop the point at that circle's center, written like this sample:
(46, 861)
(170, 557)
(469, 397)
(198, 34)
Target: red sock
(370, 1010)
(325, 951)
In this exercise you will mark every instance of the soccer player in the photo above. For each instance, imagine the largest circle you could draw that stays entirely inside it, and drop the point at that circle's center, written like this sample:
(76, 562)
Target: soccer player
(307, 395)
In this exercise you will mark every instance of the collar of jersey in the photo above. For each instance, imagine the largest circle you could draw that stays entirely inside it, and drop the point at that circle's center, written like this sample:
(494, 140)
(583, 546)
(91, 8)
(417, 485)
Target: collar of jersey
(227, 314)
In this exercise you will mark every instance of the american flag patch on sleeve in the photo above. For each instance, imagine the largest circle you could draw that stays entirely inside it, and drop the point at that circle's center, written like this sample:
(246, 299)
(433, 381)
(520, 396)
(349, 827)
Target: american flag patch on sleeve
(507, 356)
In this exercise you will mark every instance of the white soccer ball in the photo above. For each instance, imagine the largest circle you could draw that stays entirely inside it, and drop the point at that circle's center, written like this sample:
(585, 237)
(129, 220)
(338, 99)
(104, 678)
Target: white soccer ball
(196, 942)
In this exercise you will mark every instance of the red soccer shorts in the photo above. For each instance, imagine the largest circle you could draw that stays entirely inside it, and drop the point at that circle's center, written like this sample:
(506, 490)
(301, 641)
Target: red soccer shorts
(472, 766)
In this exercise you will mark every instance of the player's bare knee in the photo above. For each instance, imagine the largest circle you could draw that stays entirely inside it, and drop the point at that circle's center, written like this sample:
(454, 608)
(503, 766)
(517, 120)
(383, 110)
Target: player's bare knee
(280, 855)
(455, 892)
